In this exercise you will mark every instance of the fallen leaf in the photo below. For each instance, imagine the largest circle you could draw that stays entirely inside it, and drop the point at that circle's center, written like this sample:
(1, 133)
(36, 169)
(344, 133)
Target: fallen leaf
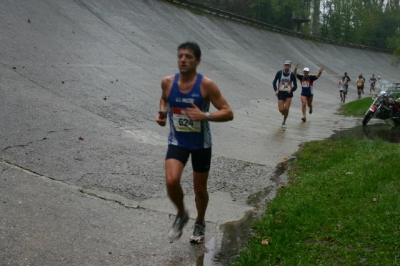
(264, 242)
(14, 67)
(81, 138)
(73, 32)
(277, 221)
(112, 82)
(29, 21)
(62, 82)
(105, 98)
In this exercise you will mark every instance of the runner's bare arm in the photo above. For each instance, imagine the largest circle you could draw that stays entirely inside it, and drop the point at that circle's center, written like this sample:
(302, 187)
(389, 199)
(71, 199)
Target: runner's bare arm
(211, 92)
(295, 68)
(163, 106)
(320, 71)
(224, 112)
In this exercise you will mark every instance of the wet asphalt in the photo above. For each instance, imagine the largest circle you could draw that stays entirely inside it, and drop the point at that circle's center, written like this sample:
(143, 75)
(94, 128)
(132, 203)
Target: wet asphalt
(81, 157)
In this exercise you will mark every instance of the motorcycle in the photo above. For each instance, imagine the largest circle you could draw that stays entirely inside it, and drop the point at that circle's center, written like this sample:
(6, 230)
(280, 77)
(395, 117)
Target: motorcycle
(385, 106)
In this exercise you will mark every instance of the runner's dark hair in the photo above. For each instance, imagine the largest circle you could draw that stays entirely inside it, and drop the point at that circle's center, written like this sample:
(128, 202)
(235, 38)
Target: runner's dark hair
(191, 46)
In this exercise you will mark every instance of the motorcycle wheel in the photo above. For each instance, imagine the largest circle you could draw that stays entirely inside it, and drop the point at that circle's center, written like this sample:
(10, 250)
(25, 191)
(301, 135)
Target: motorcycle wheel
(367, 117)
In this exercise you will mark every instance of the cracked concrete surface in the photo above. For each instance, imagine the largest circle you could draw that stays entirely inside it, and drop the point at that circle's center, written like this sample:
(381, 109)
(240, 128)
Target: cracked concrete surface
(81, 158)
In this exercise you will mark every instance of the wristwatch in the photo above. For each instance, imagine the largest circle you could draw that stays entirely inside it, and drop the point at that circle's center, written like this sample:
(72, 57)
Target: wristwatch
(208, 115)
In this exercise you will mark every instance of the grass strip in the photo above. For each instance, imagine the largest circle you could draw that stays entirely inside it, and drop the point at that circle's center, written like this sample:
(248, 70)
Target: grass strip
(356, 108)
(342, 207)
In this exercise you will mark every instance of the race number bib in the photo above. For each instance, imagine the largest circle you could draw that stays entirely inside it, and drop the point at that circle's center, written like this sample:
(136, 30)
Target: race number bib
(182, 123)
(285, 86)
(305, 84)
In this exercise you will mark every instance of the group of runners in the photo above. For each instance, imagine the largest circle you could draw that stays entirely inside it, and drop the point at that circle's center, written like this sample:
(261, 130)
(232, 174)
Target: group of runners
(185, 101)
(344, 84)
(285, 84)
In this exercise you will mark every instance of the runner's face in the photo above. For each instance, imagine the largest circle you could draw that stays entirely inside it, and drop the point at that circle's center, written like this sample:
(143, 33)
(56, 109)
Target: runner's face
(305, 73)
(187, 63)
(286, 67)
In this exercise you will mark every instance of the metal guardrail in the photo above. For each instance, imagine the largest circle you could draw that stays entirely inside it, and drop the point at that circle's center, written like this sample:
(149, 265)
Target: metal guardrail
(232, 16)
(389, 87)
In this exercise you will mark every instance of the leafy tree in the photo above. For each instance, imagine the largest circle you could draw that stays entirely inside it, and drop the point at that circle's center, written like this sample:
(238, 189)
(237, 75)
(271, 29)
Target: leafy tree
(367, 22)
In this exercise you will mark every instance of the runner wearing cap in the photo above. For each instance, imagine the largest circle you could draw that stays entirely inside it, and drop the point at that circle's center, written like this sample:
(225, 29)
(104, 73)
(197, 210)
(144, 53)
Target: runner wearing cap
(307, 94)
(284, 90)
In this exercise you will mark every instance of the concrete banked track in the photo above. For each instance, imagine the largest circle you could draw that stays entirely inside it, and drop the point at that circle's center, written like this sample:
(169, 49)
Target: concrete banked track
(81, 157)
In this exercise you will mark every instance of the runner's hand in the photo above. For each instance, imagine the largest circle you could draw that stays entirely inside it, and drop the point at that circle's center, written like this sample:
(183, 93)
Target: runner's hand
(194, 113)
(161, 118)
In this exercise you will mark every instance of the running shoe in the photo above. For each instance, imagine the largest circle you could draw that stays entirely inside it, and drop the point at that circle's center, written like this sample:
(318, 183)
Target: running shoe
(304, 119)
(176, 230)
(310, 111)
(198, 233)
(283, 125)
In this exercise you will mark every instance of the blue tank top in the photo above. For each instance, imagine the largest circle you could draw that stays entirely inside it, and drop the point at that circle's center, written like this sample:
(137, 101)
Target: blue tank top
(193, 135)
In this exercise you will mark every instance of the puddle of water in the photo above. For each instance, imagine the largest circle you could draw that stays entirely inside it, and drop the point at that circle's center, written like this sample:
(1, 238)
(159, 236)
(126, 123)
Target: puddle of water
(237, 233)
(235, 236)
(376, 131)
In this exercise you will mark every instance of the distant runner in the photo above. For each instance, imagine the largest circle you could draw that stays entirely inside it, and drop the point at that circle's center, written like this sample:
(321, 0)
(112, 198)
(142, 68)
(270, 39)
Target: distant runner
(284, 90)
(360, 85)
(348, 81)
(342, 89)
(372, 82)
